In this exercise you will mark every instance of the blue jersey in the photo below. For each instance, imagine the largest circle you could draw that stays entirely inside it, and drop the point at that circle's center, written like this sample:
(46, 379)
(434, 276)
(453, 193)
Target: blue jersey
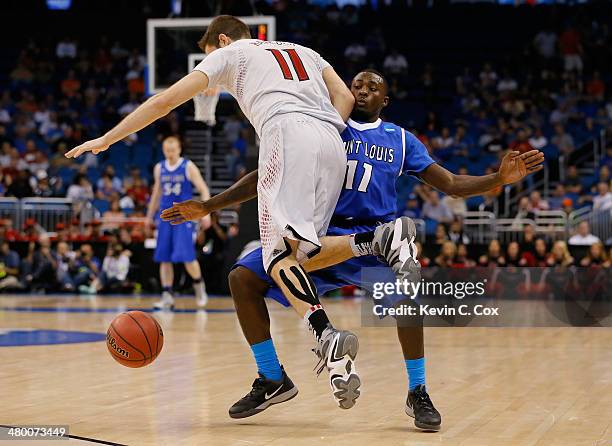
(175, 184)
(377, 154)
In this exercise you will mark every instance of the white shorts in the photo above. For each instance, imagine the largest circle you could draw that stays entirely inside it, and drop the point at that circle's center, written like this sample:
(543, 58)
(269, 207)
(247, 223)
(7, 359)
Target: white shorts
(302, 163)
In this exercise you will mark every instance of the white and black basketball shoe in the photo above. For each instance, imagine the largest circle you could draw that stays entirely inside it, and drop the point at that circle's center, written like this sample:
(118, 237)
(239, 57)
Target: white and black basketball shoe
(394, 243)
(420, 407)
(264, 393)
(337, 351)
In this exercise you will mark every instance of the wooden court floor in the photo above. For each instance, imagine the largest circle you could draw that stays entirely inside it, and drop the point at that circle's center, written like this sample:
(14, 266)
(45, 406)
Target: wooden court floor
(493, 386)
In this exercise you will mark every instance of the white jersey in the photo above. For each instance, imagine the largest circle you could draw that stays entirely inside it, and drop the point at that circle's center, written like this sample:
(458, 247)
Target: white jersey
(272, 78)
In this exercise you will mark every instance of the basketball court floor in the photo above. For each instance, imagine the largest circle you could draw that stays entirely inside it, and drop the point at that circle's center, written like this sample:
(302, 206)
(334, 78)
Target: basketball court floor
(493, 386)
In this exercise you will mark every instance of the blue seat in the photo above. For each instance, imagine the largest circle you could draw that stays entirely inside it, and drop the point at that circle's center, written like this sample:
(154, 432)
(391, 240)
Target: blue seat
(101, 205)
(473, 202)
(430, 226)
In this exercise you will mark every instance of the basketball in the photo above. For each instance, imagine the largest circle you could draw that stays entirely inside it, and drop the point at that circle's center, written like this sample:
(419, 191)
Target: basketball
(134, 339)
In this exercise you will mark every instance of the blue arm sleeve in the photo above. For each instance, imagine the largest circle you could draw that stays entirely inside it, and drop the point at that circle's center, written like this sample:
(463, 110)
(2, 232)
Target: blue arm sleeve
(416, 157)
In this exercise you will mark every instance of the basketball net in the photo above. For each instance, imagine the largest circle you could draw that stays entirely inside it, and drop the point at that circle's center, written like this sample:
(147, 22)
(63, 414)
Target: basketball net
(205, 106)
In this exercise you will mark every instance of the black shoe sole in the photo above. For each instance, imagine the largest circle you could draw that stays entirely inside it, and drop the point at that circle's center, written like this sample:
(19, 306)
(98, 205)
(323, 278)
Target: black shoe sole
(283, 397)
(424, 426)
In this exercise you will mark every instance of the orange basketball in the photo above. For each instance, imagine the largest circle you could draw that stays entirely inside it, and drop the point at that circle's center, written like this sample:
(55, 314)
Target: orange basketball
(134, 339)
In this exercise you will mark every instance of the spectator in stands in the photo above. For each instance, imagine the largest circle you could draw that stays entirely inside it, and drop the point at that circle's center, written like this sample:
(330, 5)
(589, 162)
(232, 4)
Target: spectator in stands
(423, 259)
(536, 203)
(507, 83)
(355, 52)
(87, 266)
(596, 256)
(115, 269)
(560, 255)
(133, 178)
(443, 141)
(65, 264)
(213, 241)
(521, 143)
(9, 267)
(457, 205)
(529, 237)
(545, 43)
(603, 200)
(456, 234)
(436, 209)
(563, 140)
(493, 257)
(446, 258)
(80, 191)
(109, 172)
(513, 255)
(604, 176)
(571, 49)
(583, 236)
(537, 140)
(71, 85)
(440, 236)
(19, 187)
(607, 159)
(113, 218)
(572, 180)
(42, 187)
(488, 77)
(596, 87)
(395, 64)
(539, 256)
(66, 48)
(462, 258)
(39, 265)
(558, 197)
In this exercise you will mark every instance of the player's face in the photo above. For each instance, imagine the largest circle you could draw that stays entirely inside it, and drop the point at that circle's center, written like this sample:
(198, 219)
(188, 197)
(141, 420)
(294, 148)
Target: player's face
(370, 94)
(172, 150)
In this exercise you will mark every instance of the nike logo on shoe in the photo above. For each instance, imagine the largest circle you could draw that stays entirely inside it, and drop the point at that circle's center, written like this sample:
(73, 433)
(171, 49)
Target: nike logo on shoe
(267, 397)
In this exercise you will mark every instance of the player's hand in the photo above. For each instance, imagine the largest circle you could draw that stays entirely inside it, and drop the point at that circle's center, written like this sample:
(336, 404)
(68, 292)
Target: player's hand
(516, 166)
(190, 210)
(94, 146)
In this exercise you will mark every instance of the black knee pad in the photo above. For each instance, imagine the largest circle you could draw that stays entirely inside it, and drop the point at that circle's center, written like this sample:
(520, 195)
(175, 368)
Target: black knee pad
(309, 290)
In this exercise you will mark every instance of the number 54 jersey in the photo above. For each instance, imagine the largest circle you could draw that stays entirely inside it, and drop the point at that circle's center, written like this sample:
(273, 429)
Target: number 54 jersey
(175, 183)
(272, 78)
(377, 154)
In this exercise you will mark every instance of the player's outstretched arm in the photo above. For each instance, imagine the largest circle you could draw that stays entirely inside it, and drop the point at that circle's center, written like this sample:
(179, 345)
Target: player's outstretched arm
(341, 97)
(154, 108)
(243, 190)
(514, 167)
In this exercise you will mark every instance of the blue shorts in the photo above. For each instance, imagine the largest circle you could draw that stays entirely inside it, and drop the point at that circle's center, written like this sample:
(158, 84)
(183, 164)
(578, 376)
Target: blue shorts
(175, 244)
(328, 279)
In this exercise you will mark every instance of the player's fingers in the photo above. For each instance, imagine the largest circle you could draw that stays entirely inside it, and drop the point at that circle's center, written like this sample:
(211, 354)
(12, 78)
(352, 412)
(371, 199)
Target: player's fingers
(178, 221)
(71, 153)
(535, 168)
(530, 153)
(538, 158)
(171, 215)
(534, 162)
(513, 154)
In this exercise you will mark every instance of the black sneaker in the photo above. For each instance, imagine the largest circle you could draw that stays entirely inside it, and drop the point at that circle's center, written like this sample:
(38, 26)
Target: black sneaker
(420, 407)
(264, 393)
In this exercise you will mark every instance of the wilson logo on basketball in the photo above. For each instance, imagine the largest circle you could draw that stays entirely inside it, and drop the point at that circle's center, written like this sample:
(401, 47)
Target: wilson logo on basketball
(111, 341)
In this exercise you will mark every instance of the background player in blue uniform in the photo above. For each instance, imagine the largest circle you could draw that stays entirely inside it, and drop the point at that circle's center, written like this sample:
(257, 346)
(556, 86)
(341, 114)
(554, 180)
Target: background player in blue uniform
(174, 181)
(377, 153)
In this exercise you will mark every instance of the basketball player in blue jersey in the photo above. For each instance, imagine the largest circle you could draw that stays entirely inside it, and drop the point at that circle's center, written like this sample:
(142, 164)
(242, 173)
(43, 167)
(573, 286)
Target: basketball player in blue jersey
(377, 153)
(174, 181)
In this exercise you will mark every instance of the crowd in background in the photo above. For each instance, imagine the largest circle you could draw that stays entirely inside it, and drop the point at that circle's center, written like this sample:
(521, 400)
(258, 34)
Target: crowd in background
(552, 94)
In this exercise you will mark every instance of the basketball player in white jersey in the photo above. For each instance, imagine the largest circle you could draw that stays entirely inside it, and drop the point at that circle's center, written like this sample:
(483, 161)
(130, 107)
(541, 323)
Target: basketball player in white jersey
(298, 105)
